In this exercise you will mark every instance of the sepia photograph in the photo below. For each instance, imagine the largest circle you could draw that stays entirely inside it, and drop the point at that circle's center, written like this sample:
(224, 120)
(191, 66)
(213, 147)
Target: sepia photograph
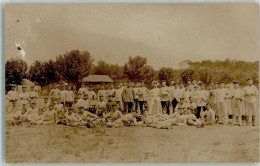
(132, 83)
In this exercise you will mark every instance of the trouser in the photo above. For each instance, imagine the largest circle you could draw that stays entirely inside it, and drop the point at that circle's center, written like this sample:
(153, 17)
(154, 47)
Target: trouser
(69, 103)
(222, 112)
(199, 110)
(250, 110)
(174, 104)
(165, 105)
(141, 106)
(135, 104)
(11, 106)
(128, 107)
(236, 107)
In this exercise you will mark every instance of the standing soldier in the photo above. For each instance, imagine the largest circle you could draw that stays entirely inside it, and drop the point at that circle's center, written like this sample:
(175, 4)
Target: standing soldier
(63, 93)
(202, 96)
(128, 98)
(91, 93)
(24, 96)
(143, 92)
(82, 90)
(136, 96)
(102, 92)
(172, 91)
(69, 97)
(165, 97)
(12, 96)
(118, 96)
(250, 92)
(54, 94)
(221, 94)
(236, 104)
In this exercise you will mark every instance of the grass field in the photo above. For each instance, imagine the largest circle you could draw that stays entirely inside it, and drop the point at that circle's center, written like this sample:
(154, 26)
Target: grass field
(54, 144)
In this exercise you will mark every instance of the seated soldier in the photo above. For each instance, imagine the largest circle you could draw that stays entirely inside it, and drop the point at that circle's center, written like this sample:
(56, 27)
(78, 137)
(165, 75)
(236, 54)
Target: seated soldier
(93, 105)
(149, 119)
(60, 115)
(36, 118)
(113, 118)
(101, 106)
(58, 105)
(83, 102)
(180, 113)
(192, 119)
(109, 104)
(32, 108)
(192, 105)
(49, 115)
(208, 117)
(45, 104)
(163, 122)
(20, 116)
(87, 118)
(72, 119)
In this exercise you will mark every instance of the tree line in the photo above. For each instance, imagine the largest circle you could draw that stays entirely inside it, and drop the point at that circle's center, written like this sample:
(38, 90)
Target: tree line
(74, 65)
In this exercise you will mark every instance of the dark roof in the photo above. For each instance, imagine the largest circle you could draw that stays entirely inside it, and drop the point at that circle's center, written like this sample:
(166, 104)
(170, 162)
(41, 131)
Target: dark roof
(97, 78)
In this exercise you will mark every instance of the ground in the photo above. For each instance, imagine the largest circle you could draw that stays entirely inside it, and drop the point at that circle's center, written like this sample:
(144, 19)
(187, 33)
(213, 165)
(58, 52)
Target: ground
(54, 144)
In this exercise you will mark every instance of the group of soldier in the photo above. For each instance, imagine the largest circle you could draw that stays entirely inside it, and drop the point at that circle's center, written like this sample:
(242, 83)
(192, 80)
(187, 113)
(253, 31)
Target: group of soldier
(134, 104)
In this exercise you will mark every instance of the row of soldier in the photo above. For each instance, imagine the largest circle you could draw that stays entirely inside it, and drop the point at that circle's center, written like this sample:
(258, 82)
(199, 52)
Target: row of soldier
(176, 99)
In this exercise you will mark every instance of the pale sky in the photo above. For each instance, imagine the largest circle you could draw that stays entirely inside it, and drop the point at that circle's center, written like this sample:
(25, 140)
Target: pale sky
(163, 33)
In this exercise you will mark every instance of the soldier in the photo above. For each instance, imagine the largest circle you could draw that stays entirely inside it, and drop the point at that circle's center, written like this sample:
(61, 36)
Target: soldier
(142, 93)
(83, 102)
(128, 97)
(237, 96)
(24, 96)
(82, 90)
(54, 94)
(49, 115)
(32, 108)
(33, 94)
(202, 96)
(250, 92)
(69, 98)
(45, 104)
(172, 92)
(101, 106)
(91, 93)
(102, 92)
(221, 94)
(118, 96)
(111, 90)
(20, 116)
(187, 94)
(176, 95)
(63, 93)
(12, 97)
(165, 96)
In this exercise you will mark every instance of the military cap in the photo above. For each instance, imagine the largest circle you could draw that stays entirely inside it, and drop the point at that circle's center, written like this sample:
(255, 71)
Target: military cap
(70, 108)
(23, 86)
(235, 82)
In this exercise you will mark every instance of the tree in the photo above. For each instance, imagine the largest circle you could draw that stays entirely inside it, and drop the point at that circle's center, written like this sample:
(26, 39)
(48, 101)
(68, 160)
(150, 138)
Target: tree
(15, 71)
(205, 75)
(187, 74)
(73, 66)
(37, 73)
(115, 71)
(166, 73)
(149, 75)
(135, 68)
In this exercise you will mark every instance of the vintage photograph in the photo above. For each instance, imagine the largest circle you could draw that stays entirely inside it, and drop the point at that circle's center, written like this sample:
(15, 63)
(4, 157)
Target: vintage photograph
(132, 83)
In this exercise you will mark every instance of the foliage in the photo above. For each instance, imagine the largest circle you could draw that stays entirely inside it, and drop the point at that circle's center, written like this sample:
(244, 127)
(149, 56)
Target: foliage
(15, 71)
(73, 66)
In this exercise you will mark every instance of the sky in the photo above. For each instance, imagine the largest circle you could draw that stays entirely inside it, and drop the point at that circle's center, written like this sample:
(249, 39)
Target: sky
(165, 34)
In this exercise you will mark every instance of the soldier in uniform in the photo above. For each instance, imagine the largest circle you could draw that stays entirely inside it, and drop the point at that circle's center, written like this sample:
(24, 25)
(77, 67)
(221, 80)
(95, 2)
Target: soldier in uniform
(69, 98)
(24, 96)
(128, 98)
(12, 97)
(250, 92)
(237, 96)
(33, 94)
(165, 97)
(220, 96)
(142, 93)
(54, 94)
(83, 102)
